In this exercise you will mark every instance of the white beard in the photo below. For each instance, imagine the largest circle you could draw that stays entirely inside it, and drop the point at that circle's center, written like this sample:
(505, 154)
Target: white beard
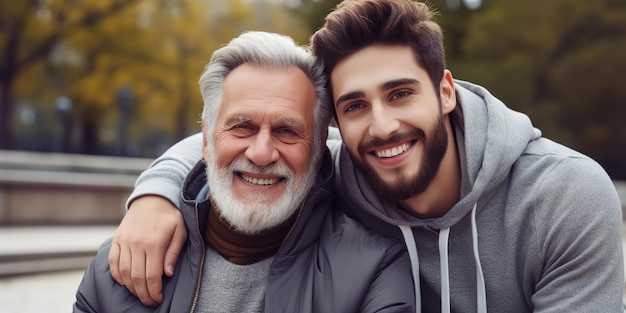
(256, 211)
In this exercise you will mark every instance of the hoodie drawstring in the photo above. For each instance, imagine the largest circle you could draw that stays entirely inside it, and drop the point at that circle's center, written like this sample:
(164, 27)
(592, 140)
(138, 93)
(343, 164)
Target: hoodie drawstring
(444, 235)
(481, 294)
(411, 247)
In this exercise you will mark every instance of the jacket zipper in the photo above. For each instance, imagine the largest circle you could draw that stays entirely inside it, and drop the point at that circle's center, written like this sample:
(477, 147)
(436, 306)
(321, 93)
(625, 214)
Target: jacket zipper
(197, 293)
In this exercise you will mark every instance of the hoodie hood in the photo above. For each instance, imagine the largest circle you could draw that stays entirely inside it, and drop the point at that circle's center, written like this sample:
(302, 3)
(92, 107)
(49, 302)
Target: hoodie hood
(499, 135)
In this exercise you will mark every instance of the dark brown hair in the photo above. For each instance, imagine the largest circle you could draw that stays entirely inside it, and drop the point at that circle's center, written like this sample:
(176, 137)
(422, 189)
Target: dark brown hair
(356, 24)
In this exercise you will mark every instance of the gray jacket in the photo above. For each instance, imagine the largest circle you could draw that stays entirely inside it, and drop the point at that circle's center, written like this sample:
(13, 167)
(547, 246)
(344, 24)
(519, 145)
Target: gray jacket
(328, 263)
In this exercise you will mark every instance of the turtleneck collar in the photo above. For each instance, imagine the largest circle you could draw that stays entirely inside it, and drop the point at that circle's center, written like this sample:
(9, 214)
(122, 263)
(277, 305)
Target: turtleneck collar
(241, 248)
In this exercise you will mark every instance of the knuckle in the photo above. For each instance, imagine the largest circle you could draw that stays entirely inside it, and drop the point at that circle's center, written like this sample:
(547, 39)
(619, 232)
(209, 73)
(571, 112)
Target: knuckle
(137, 278)
(137, 241)
(151, 279)
(124, 271)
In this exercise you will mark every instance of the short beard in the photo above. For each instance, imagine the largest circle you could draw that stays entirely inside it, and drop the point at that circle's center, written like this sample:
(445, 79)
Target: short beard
(405, 186)
(256, 212)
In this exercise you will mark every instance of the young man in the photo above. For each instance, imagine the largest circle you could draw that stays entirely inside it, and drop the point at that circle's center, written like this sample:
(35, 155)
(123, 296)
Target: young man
(263, 236)
(495, 217)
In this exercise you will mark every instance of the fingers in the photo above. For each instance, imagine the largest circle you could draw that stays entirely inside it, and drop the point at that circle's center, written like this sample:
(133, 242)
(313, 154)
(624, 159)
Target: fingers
(114, 259)
(138, 279)
(154, 274)
(173, 250)
(141, 244)
(124, 268)
(133, 271)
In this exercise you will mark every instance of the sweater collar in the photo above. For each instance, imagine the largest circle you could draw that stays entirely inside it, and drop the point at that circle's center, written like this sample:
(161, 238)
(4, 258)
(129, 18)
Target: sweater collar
(241, 248)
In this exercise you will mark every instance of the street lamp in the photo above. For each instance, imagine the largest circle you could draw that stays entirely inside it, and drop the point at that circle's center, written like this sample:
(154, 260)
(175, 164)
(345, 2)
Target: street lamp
(63, 107)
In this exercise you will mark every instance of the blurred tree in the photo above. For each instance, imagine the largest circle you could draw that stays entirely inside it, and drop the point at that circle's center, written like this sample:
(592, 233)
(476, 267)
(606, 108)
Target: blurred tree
(314, 12)
(553, 60)
(87, 50)
(30, 31)
(453, 18)
(559, 61)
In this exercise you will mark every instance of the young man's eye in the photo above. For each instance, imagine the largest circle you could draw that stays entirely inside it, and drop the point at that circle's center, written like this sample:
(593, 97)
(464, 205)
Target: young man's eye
(353, 107)
(400, 94)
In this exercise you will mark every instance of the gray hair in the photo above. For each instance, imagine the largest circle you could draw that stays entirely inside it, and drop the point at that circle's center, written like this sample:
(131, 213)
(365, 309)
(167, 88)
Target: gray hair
(266, 50)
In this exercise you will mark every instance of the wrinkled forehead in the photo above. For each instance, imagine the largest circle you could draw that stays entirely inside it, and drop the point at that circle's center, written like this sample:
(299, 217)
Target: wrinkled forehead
(251, 92)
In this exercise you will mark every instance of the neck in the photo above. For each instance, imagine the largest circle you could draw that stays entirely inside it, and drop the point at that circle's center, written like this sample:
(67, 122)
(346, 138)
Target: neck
(242, 248)
(445, 189)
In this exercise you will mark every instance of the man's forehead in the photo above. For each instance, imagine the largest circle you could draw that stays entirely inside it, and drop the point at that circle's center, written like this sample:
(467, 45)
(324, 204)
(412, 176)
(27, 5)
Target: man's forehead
(245, 117)
(376, 66)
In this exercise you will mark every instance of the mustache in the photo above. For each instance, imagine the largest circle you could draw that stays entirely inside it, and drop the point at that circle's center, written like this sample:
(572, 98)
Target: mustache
(396, 138)
(245, 165)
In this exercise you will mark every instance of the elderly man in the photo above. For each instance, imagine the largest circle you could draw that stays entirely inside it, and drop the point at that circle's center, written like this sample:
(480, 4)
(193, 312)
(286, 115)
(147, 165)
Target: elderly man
(262, 234)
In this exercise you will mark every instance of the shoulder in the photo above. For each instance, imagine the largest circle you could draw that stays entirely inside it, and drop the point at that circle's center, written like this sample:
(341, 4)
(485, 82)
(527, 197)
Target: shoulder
(564, 174)
(365, 265)
(566, 191)
(576, 218)
(350, 237)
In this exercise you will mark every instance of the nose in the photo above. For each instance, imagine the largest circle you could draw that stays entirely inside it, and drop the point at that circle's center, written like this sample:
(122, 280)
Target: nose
(382, 122)
(262, 150)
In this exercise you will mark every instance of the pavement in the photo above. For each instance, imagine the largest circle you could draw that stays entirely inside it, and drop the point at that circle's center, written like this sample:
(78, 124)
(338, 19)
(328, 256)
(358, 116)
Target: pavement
(37, 285)
(41, 267)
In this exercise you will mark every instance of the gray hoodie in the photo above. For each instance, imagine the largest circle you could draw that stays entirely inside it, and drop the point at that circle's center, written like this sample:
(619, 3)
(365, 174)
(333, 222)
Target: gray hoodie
(537, 227)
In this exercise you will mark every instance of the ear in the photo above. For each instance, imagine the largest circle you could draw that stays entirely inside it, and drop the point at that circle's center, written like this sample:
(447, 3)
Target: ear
(447, 93)
(321, 151)
(204, 142)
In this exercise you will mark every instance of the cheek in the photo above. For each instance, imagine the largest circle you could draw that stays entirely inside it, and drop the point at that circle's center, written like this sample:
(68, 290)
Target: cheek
(226, 151)
(298, 157)
(352, 132)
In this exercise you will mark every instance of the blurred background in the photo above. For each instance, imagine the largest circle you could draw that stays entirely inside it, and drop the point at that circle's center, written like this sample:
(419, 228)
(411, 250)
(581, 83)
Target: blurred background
(92, 90)
(119, 77)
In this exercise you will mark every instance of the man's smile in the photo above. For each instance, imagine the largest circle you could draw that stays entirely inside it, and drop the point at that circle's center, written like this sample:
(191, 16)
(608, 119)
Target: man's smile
(393, 151)
(262, 181)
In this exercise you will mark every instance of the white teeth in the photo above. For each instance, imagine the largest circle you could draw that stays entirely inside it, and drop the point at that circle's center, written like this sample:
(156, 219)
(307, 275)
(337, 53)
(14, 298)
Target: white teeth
(387, 153)
(259, 181)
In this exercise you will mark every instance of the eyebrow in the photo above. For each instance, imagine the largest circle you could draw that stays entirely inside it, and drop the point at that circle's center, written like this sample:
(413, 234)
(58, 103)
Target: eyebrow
(294, 125)
(385, 86)
(238, 119)
(349, 96)
(400, 82)
(289, 122)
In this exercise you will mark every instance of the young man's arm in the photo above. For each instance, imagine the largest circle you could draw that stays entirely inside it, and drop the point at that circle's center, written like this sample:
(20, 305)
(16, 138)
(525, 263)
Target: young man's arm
(580, 223)
(147, 242)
